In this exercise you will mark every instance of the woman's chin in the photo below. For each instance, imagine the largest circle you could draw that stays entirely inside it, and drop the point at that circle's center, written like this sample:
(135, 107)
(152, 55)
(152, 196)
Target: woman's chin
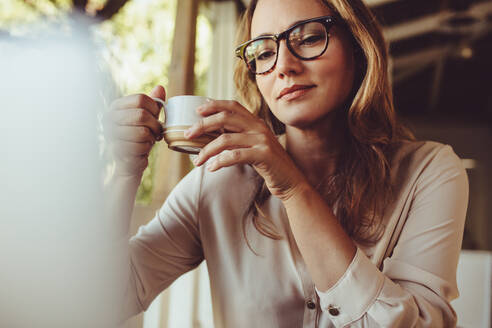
(300, 123)
(303, 121)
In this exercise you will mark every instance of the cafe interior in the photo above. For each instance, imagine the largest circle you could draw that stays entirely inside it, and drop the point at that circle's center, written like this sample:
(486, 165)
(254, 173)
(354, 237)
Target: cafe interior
(441, 72)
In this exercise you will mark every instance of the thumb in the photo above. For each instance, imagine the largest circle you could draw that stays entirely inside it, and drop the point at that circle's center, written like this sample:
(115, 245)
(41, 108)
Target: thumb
(159, 92)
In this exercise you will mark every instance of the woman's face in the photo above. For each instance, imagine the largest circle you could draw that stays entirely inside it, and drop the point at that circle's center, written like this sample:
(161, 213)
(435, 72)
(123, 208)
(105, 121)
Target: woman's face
(324, 82)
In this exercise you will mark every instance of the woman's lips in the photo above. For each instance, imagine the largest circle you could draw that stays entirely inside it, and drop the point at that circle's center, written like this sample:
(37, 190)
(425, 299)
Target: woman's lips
(296, 93)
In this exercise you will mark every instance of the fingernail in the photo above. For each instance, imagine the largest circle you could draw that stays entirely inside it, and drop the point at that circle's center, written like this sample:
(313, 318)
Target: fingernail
(210, 165)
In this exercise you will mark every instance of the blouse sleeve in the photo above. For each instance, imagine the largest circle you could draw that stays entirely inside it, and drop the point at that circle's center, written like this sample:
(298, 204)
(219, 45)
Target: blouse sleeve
(418, 280)
(168, 246)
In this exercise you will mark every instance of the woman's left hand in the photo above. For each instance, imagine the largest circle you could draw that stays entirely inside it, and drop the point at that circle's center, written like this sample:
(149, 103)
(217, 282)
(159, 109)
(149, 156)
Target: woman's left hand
(246, 140)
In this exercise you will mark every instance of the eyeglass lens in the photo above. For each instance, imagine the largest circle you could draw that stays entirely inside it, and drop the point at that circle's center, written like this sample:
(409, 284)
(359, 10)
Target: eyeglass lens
(307, 41)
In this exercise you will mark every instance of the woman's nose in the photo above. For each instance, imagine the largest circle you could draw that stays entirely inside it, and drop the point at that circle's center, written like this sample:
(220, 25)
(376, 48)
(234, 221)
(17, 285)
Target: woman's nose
(287, 63)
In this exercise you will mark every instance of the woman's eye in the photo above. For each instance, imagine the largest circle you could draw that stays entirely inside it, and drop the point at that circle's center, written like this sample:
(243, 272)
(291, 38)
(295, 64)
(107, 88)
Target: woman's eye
(265, 55)
(311, 39)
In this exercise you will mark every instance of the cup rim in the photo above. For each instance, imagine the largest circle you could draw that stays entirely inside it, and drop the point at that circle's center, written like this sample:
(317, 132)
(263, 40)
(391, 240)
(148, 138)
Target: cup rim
(188, 96)
(166, 102)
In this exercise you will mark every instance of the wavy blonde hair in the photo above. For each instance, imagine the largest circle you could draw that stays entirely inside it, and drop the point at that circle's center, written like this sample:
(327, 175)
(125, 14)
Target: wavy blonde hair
(361, 186)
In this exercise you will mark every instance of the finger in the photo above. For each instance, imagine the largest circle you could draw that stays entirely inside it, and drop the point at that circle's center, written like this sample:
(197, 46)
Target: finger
(137, 134)
(226, 141)
(113, 121)
(136, 117)
(158, 92)
(228, 121)
(127, 150)
(233, 157)
(137, 101)
(216, 106)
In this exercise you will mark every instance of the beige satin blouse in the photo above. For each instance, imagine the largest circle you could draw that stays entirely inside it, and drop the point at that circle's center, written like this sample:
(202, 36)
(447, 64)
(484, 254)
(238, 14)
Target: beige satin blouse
(406, 280)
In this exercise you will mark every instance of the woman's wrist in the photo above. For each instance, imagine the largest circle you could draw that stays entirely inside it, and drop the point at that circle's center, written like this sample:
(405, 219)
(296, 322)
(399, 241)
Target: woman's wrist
(127, 172)
(296, 193)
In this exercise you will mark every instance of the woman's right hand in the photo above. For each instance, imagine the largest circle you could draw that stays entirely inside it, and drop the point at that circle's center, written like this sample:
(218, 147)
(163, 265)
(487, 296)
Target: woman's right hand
(132, 127)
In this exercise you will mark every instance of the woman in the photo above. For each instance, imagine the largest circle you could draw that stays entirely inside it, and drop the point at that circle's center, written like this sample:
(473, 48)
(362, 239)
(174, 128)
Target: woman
(342, 221)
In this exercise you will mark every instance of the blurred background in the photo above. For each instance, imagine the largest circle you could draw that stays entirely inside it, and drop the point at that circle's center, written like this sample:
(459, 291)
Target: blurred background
(441, 70)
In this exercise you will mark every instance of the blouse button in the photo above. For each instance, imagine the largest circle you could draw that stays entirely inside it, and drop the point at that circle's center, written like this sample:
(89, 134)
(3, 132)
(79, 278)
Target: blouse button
(333, 311)
(311, 305)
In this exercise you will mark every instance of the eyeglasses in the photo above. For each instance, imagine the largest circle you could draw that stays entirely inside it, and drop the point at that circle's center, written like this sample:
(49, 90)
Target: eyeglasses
(306, 40)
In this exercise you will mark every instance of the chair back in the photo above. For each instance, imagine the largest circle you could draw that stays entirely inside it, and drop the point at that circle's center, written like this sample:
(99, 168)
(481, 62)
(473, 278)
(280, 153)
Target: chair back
(474, 277)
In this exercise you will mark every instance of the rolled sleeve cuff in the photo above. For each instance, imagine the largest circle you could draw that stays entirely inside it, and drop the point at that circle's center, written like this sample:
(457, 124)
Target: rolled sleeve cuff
(350, 298)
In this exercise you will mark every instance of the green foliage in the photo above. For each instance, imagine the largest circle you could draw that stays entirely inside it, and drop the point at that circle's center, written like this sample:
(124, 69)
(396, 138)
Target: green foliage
(139, 41)
(14, 13)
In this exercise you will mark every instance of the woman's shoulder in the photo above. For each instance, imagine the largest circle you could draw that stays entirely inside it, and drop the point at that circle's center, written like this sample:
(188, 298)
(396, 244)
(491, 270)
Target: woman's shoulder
(419, 151)
(414, 158)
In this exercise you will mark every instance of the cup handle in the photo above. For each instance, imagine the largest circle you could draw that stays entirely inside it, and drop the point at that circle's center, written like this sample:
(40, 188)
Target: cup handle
(163, 103)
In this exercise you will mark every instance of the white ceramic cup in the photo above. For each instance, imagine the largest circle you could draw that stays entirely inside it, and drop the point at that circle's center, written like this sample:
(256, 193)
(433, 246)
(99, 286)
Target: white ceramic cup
(180, 114)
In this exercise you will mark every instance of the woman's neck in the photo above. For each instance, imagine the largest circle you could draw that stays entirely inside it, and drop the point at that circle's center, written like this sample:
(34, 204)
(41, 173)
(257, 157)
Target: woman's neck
(316, 150)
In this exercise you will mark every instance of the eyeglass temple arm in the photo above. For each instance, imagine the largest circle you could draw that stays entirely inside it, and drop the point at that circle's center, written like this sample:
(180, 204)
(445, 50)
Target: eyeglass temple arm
(238, 52)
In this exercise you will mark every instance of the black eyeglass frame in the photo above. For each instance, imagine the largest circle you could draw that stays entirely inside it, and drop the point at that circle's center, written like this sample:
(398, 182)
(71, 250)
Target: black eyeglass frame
(327, 21)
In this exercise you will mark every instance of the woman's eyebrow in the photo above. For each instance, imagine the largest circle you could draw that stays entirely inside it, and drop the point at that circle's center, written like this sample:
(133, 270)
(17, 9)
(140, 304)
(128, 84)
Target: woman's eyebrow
(270, 34)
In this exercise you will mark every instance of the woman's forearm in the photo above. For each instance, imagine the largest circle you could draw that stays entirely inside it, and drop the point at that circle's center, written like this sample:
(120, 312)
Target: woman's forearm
(120, 193)
(325, 247)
